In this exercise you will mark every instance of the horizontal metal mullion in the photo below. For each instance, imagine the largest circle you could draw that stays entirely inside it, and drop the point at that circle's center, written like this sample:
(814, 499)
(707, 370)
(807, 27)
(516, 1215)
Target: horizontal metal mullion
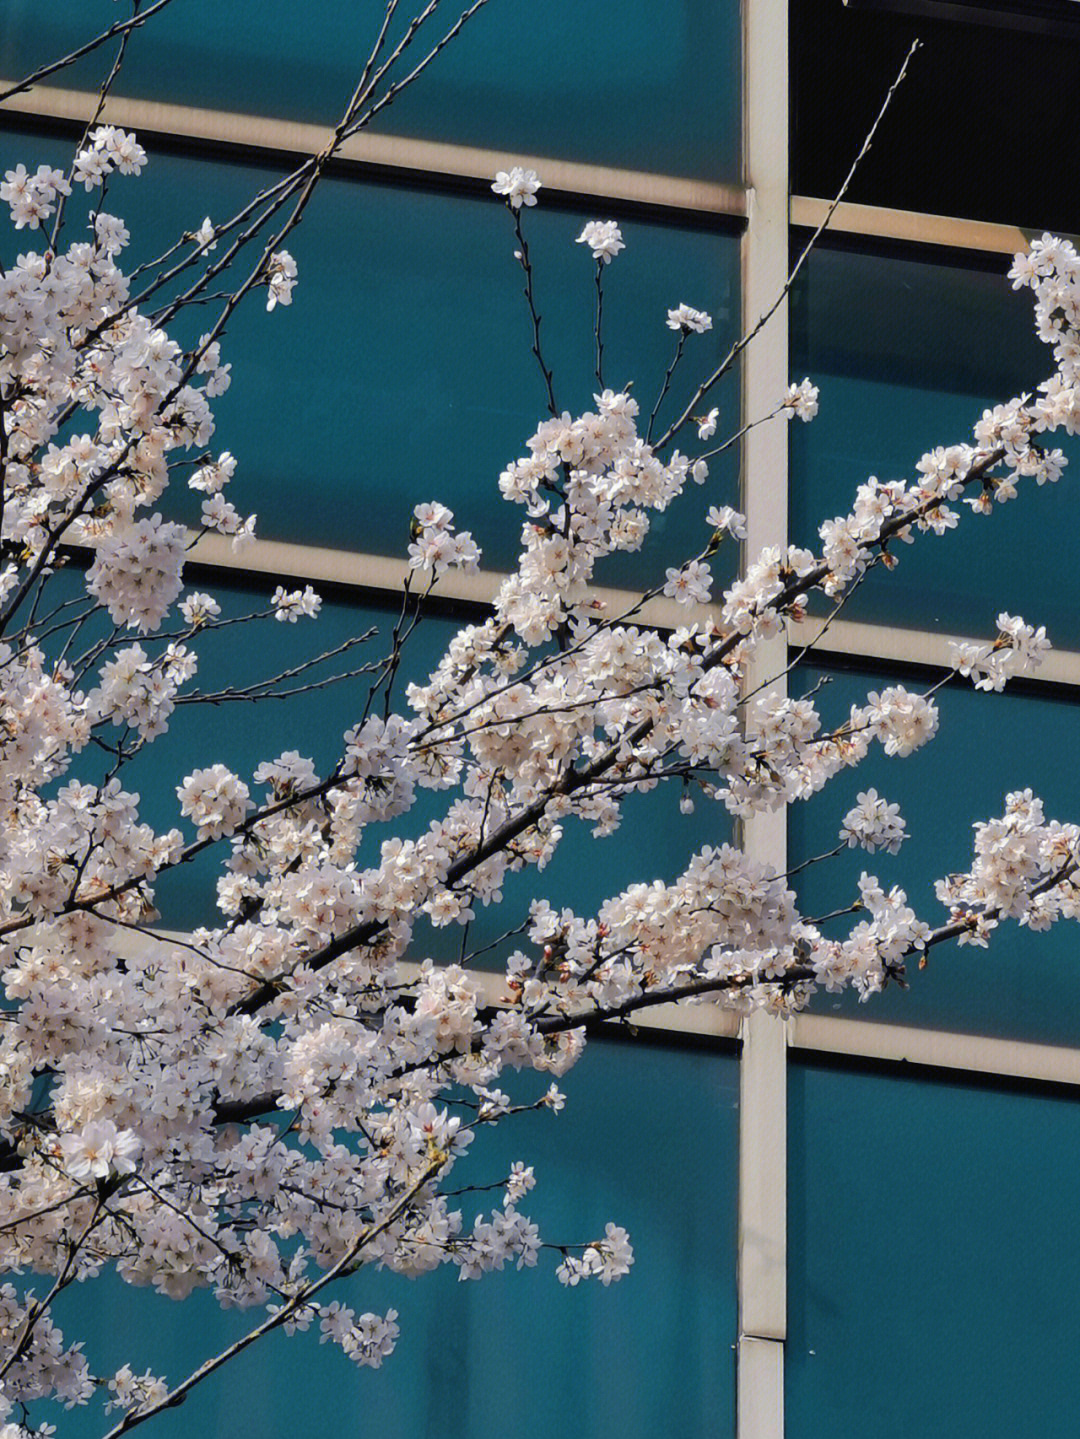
(708, 1020)
(815, 1033)
(882, 223)
(380, 572)
(436, 158)
(918, 647)
(936, 1049)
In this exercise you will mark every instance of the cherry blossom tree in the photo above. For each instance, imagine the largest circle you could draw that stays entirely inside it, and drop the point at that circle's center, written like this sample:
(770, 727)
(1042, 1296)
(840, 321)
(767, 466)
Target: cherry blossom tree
(264, 1107)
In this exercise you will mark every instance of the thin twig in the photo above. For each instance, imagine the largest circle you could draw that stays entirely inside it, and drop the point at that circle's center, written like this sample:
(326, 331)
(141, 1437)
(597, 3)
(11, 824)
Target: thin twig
(741, 344)
(599, 324)
(679, 347)
(103, 95)
(526, 265)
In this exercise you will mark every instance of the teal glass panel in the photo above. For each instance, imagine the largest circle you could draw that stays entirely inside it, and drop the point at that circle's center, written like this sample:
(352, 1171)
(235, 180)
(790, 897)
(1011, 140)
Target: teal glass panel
(932, 1264)
(655, 89)
(908, 354)
(402, 370)
(1025, 985)
(514, 1352)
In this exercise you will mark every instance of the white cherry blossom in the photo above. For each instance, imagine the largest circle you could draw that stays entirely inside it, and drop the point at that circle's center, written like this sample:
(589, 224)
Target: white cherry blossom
(145, 1076)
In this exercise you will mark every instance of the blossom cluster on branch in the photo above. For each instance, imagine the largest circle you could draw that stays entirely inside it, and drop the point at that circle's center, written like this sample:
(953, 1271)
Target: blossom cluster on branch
(264, 1106)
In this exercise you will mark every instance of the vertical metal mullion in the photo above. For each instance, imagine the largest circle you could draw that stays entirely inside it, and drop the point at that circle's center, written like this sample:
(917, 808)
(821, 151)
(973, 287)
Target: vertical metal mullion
(762, 1259)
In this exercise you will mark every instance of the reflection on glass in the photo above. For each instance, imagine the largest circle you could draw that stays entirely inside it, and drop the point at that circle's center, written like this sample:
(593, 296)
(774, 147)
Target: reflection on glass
(656, 89)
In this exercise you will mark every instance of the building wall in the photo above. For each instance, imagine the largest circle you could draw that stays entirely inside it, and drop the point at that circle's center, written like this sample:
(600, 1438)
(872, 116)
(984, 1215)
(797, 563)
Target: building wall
(857, 1222)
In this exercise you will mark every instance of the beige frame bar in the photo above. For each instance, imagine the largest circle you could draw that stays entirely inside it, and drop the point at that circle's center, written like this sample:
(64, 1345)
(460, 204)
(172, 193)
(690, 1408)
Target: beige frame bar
(817, 1033)
(964, 1053)
(398, 152)
(887, 224)
(762, 1234)
(437, 158)
(316, 564)
(921, 647)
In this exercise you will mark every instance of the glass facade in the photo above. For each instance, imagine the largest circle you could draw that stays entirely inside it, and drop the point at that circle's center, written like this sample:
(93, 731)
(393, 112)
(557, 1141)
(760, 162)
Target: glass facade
(586, 1360)
(930, 1283)
(933, 1278)
(578, 87)
(930, 1290)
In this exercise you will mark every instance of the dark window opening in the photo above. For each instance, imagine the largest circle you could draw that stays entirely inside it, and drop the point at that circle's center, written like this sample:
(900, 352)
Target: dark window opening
(984, 126)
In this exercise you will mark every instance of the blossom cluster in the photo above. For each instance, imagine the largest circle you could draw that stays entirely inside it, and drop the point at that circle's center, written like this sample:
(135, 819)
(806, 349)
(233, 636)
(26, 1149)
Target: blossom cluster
(436, 547)
(687, 320)
(280, 279)
(367, 1340)
(109, 148)
(604, 239)
(1017, 644)
(99, 1150)
(873, 824)
(801, 400)
(607, 1258)
(517, 185)
(169, 1062)
(1025, 869)
(32, 198)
